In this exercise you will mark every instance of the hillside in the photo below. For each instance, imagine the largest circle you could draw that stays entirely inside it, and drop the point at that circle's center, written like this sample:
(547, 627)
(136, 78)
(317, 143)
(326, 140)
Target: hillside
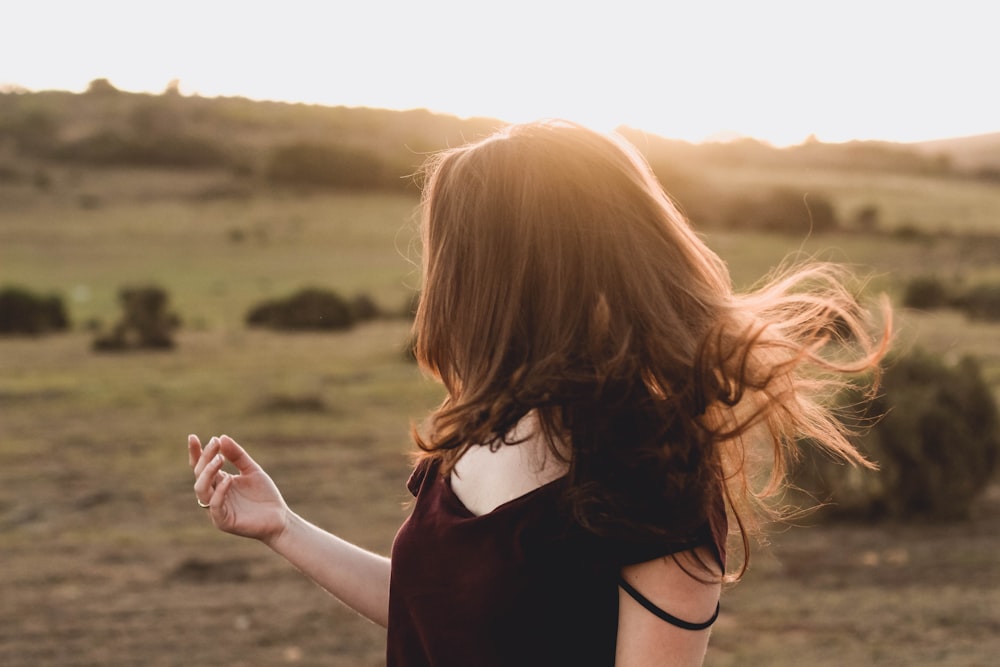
(108, 126)
(972, 153)
(241, 146)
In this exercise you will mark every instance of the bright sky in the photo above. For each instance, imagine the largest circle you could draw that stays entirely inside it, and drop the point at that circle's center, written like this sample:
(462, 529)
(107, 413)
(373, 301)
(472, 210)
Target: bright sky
(776, 70)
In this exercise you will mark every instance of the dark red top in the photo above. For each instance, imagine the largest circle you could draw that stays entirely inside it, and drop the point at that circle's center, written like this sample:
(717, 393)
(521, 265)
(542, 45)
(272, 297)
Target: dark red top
(522, 585)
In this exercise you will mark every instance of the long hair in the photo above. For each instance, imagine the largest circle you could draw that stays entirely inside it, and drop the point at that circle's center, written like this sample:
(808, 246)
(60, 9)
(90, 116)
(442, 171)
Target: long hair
(559, 277)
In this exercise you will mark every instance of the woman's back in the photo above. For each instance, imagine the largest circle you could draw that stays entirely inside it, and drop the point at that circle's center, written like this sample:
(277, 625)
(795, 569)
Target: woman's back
(521, 584)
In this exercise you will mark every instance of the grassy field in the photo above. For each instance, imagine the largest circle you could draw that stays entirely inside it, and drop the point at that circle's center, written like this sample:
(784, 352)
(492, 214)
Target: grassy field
(107, 560)
(927, 203)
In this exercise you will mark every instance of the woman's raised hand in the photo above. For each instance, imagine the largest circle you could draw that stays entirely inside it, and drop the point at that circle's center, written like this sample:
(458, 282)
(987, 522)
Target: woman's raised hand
(247, 504)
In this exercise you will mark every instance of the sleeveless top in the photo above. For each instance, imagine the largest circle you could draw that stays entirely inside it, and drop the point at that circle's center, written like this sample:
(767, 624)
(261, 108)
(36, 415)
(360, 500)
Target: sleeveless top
(522, 585)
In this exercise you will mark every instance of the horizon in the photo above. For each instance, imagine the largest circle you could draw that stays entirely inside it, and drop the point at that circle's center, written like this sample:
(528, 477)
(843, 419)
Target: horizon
(778, 72)
(721, 137)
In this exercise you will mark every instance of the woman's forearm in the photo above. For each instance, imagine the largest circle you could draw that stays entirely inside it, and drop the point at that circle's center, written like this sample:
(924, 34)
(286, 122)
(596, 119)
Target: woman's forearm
(356, 577)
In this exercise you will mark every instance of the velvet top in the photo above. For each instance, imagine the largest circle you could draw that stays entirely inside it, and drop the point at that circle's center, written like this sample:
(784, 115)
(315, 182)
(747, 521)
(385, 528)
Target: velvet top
(521, 585)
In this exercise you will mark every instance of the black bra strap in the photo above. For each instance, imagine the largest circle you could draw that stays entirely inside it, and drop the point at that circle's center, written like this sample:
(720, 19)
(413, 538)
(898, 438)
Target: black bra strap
(672, 620)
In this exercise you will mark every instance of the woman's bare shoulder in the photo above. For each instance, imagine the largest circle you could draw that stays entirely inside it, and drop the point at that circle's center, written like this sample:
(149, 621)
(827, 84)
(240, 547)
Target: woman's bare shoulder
(485, 478)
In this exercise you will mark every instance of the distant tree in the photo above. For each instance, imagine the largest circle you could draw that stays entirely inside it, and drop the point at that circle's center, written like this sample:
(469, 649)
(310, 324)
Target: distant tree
(101, 87)
(326, 165)
(147, 322)
(102, 148)
(866, 219)
(154, 117)
(783, 210)
(33, 132)
(173, 88)
(110, 147)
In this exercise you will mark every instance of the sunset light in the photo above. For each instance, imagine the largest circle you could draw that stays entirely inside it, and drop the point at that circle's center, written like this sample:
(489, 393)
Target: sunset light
(776, 70)
(551, 320)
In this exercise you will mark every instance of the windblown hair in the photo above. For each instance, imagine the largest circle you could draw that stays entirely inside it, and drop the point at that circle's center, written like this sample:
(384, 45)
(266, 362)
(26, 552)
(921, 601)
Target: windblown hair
(559, 277)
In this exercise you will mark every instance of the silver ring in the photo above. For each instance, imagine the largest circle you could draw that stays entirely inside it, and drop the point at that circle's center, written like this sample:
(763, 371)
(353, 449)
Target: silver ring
(201, 504)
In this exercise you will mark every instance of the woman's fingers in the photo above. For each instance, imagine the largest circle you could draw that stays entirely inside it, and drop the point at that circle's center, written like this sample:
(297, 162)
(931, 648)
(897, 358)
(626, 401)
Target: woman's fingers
(194, 450)
(207, 462)
(206, 455)
(237, 455)
(205, 480)
(221, 489)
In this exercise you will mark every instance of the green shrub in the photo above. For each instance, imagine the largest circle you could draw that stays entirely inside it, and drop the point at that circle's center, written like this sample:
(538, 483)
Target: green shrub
(981, 302)
(110, 147)
(308, 309)
(146, 323)
(26, 313)
(927, 293)
(783, 210)
(364, 308)
(32, 132)
(937, 443)
(866, 218)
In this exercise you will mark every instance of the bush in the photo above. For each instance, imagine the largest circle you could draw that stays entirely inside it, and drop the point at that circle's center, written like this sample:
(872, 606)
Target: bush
(329, 166)
(26, 313)
(364, 308)
(866, 219)
(981, 302)
(937, 443)
(308, 309)
(783, 210)
(109, 147)
(146, 323)
(31, 132)
(926, 293)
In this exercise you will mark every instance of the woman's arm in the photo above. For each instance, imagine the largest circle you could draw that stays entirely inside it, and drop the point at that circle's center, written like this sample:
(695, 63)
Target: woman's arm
(249, 504)
(358, 578)
(645, 639)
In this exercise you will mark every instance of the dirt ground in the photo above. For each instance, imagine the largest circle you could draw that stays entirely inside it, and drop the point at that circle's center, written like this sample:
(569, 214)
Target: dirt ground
(107, 560)
(894, 595)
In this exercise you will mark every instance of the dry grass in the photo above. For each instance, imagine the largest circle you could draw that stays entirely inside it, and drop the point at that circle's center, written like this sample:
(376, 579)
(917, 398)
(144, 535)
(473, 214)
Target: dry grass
(108, 561)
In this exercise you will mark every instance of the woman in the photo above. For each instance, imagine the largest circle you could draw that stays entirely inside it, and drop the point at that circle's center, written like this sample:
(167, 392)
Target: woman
(607, 394)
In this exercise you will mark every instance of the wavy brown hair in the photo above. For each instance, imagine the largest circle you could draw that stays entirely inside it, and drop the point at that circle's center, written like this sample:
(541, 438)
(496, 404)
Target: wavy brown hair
(559, 277)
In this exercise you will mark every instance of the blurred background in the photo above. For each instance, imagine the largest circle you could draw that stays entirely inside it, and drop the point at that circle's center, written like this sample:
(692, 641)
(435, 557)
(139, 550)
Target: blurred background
(207, 225)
